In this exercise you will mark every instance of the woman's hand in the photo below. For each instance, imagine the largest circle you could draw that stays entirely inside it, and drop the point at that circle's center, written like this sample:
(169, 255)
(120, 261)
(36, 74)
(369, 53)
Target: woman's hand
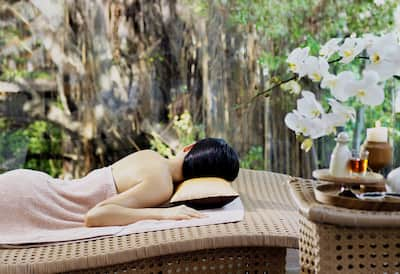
(181, 212)
(110, 214)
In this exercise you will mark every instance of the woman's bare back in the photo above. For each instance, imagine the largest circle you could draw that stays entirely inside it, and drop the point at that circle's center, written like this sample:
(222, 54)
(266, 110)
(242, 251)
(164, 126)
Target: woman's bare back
(144, 180)
(137, 167)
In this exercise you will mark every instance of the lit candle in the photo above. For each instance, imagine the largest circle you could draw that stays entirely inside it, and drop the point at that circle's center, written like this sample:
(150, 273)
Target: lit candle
(377, 134)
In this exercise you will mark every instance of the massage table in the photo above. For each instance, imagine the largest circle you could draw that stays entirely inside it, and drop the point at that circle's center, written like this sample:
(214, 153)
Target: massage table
(255, 245)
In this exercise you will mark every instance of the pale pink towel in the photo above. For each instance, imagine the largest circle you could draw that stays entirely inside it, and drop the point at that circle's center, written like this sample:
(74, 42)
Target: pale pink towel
(34, 207)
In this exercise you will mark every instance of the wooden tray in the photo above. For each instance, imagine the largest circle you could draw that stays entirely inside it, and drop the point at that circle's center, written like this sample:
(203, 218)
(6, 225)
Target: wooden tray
(328, 194)
(370, 178)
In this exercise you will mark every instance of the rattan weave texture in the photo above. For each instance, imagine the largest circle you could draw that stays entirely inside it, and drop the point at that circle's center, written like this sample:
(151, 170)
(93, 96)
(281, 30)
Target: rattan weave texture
(329, 245)
(222, 260)
(271, 220)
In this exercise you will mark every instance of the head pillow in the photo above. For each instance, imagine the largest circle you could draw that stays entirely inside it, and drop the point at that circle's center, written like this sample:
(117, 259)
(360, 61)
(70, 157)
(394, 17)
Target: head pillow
(203, 193)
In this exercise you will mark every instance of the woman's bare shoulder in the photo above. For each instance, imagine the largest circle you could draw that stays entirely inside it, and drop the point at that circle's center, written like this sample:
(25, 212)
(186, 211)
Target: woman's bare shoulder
(148, 153)
(141, 166)
(140, 158)
(149, 159)
(154, 167)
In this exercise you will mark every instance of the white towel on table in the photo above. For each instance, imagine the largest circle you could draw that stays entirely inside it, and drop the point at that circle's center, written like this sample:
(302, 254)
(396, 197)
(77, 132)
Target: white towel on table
(232, 212)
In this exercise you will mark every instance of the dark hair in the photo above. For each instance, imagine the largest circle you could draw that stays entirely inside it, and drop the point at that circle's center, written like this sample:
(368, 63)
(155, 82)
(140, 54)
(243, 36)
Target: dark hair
(211, 157)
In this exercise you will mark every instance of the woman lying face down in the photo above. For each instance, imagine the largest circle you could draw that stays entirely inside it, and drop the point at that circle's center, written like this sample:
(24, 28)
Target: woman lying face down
(145, 180)
(125, 192)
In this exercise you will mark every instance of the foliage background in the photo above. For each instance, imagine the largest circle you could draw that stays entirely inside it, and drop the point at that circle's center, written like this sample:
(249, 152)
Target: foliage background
(97, 80)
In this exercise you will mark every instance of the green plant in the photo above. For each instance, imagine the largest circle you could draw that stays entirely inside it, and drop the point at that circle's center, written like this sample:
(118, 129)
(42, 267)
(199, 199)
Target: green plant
(32, 147)
(13, 74)
(44, 139)
(158, 145)
(13, 148)
(254, 158)
(184, 128)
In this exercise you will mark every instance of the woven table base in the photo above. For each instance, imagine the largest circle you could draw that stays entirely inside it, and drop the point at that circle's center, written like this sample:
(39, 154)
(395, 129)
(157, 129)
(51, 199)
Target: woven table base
(222, 260)
(332, 249)
(342, 240)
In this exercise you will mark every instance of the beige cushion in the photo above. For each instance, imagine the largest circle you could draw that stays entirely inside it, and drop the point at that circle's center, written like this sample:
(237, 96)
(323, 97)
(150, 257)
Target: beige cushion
(201, 193)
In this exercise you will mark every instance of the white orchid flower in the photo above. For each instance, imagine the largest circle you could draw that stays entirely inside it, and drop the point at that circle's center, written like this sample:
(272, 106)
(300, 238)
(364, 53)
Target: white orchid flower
(296, 60)
(369, 39)
(348, 113)
(385, 56)
(316, 68)
(314, 128)
(351, 48)
(339, 84)
(292, 87)
(329, 81)
(367, 90)
(396, 16)
(308, 106)
(293, 120)
(338, 117)
(331, 121)
(330, 48)
(300, 124)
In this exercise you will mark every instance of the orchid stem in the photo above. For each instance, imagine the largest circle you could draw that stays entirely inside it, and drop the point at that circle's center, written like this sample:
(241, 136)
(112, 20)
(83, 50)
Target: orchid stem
(335, 60)
(264, 92)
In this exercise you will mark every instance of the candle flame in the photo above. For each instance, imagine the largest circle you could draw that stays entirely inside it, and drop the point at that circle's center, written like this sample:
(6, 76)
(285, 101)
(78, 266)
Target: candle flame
(378, 123)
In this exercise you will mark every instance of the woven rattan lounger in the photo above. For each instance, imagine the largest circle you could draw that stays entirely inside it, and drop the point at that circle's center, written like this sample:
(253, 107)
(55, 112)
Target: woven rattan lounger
(258, 243)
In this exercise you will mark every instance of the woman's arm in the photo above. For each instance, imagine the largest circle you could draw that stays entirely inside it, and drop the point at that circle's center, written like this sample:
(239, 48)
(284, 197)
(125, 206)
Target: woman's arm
(110, 214)
(137, 203)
